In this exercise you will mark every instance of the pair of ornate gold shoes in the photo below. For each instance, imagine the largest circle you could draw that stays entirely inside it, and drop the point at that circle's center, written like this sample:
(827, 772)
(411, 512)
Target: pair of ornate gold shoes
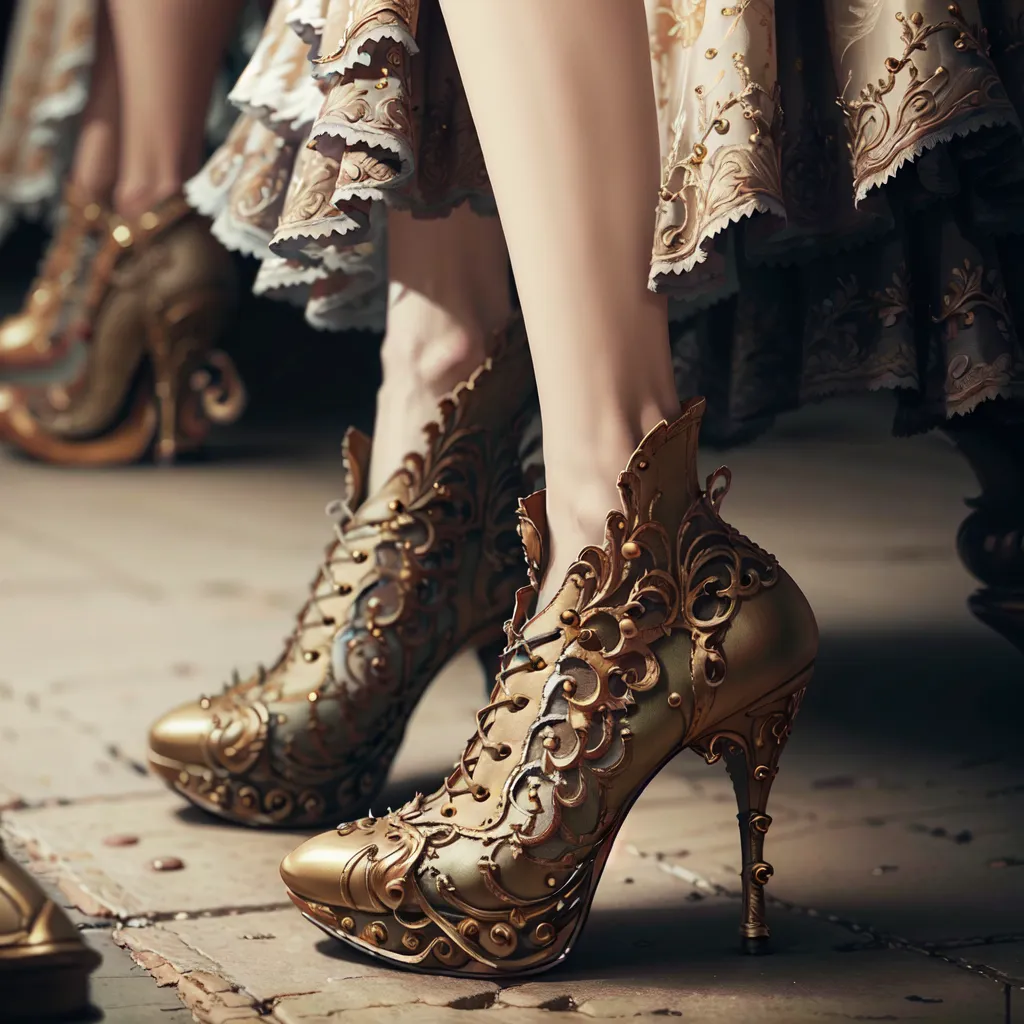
(675, 632)
(112, 358)
(44, 965)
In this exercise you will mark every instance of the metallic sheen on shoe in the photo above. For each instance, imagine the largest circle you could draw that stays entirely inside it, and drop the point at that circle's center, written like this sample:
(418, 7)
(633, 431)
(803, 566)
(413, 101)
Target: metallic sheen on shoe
(418, 571)
(144, 378)
(676, 632)
(31, 340)
(44, 965)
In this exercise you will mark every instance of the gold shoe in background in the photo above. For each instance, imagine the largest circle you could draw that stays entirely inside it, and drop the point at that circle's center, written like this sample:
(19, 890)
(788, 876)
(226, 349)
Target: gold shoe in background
(676, 632)
(145, 378)
(419, 571)
(44, 965)
(32, 340)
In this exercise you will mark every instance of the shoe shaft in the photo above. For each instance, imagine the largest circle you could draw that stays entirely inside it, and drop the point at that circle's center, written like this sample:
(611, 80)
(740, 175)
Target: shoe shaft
(421, 569)
(31, 341)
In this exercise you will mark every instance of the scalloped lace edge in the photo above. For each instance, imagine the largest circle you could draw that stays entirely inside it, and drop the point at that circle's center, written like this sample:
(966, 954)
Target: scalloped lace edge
(970, 125)
(666, 267)
(352, 54)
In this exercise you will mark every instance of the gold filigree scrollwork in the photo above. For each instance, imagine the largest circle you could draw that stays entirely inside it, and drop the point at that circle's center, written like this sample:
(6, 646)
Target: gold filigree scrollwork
(928, 105)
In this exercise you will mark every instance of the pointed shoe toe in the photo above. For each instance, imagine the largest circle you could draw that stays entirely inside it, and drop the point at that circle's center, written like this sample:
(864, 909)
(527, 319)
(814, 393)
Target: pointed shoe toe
(178, 738)
(206, 750)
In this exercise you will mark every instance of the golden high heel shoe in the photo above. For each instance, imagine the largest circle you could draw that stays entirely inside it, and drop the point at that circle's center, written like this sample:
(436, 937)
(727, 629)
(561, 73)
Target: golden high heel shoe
(420, 570)
(31, 340)
(677, 632)
(147, 378)
(44, 965)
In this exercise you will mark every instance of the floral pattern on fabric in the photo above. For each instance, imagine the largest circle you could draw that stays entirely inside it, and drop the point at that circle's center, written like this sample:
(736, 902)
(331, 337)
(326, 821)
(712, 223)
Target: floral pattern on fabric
(839, 206)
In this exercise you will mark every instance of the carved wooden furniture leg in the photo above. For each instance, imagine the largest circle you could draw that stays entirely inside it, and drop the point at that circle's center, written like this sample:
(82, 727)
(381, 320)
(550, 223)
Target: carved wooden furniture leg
(991, 539)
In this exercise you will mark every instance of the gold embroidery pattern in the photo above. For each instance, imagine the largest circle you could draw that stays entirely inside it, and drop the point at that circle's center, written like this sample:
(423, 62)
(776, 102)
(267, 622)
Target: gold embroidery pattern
(935, 99)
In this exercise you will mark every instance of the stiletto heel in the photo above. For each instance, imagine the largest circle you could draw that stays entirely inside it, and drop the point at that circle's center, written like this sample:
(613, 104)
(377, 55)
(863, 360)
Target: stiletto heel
(751, 744)
(179, 341)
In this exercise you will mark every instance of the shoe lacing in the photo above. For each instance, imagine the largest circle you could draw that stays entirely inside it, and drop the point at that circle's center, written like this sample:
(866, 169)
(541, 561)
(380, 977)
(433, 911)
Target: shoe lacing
(510, 665)
(341, 513)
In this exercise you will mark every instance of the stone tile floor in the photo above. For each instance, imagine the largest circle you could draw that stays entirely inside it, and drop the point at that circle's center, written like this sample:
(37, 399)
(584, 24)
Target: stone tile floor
(898, 839)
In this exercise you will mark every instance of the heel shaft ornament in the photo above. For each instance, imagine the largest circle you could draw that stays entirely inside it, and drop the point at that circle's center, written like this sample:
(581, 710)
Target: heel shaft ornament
(751, 746)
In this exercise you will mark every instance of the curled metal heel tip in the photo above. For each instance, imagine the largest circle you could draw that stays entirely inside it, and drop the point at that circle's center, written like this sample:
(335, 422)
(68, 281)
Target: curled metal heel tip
(756, 947)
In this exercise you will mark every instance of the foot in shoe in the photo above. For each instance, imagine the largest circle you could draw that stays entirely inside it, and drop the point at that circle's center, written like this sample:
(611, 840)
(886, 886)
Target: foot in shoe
(419, 570)
(677, 632)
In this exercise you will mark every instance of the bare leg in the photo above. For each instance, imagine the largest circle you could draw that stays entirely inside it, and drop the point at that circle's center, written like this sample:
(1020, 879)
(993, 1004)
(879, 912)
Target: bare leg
(167, 57)
(563, 100)
(449, 292)
(94, 169)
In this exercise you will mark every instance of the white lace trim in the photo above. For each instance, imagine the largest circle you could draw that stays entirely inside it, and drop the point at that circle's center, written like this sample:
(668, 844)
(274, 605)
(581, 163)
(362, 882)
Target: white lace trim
(375, 139)
(967, 126)
(296, 241)
(675, 267)
(206, 197)
(359, 307)
(352, 53)
(306, 19)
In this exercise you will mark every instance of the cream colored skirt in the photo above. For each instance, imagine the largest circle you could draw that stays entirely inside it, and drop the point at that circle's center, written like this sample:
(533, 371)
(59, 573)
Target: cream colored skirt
(841, 203)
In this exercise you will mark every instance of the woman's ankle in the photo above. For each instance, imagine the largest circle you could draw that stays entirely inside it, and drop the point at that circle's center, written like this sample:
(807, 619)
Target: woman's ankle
(132, 199)
(431, 362)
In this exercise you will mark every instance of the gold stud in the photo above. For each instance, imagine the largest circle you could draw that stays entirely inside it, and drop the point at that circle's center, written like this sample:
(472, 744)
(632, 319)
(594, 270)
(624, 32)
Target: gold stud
(550, 743)
(310, 656)
(630, 550)
(569, 617)
(627, 627)
(312, 696)
(551, 881)
(373, 604)
(149, 220)
(204, 703)
(359, 556)
(122, 234)
(569, 687)
(674, 700)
